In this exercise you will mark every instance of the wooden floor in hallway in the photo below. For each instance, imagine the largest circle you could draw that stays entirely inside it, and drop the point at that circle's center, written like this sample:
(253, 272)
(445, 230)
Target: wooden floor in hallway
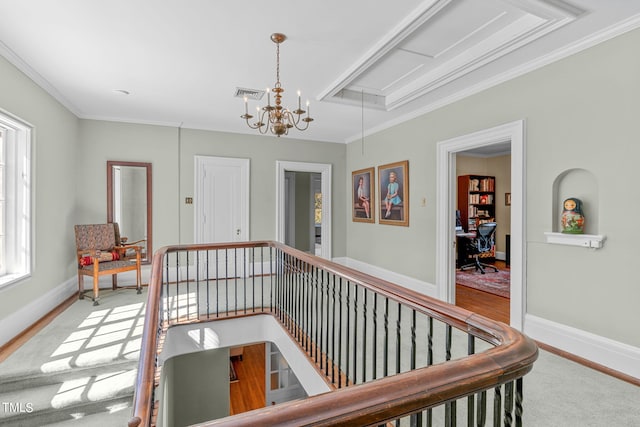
(248, 392)
(489, 305)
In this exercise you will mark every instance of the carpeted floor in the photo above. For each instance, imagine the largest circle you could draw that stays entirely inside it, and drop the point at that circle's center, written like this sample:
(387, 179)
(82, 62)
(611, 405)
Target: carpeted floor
(80, 369)
(495, 283)
(88, 358)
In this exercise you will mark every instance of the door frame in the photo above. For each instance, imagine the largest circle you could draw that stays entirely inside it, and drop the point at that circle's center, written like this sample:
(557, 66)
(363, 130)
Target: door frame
(445, 216)
(324, 169)
(244, 165)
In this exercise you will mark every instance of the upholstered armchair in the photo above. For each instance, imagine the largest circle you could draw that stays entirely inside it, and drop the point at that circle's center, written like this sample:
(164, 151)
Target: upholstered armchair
(99, 255)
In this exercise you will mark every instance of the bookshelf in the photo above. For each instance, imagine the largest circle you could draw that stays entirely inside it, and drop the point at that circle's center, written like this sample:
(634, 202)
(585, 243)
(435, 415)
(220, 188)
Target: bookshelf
(476, 200)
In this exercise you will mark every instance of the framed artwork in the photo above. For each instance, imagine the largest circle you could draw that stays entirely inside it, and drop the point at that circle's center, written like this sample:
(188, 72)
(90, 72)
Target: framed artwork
(363, 198)
(394, 193)
(507, 199)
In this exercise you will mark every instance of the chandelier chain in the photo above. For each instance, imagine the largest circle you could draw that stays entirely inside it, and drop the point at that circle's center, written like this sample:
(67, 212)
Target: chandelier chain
(277, 64)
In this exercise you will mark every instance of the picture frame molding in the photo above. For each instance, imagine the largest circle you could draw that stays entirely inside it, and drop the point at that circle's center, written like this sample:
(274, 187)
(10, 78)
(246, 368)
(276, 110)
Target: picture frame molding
(402, 170)
(355, 208)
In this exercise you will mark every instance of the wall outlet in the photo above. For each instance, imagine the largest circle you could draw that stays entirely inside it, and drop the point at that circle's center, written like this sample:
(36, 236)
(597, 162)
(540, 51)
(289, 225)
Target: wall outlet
(188, 200)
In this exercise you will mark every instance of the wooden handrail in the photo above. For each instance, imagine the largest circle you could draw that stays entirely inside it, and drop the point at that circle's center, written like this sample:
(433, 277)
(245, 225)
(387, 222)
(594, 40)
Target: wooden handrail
(373, 402)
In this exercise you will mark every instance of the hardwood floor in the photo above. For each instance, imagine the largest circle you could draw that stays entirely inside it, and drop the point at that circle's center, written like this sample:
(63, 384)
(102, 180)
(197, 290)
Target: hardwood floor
(489, 305)
(248, 392)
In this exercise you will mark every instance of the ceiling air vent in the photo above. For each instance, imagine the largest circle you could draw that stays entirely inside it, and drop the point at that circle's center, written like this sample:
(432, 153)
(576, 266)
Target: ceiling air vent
(256, 94)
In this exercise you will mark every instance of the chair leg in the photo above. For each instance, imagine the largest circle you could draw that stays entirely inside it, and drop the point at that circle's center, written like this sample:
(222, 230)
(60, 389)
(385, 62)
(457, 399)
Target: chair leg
(138, 280)
(80, 286)
(95, 289)
(489, 266)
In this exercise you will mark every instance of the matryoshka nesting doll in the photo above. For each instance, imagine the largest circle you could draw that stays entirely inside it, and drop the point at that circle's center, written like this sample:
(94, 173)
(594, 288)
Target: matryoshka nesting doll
(572, 217)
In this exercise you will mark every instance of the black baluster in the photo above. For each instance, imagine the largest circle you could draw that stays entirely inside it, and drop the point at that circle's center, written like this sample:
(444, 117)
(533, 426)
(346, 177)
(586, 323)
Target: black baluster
(374, 336)
(333, 326)
(235, 281)
(497, 406)
(450, 416)
(471, 349)
(208, 284)
(217, 285)
(318, 316)
(508, 404)
(323, 343)
(449, 338)
(340, 332)
(519, 400)
(416, 419)
(197, 284)
(355, 334)
(398, 335)
(386, 338)
(307, 291)
(333, 330)
(347, 347)
(429, 361)
(482, 409)
(188, 286)
(364, 335)
(244, 278)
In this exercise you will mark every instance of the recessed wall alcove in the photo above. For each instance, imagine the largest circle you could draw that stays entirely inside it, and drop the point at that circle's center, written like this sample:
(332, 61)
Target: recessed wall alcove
(581, 184)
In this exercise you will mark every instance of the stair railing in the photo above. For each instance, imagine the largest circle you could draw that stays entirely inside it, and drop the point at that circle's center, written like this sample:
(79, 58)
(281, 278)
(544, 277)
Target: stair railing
(389, 354)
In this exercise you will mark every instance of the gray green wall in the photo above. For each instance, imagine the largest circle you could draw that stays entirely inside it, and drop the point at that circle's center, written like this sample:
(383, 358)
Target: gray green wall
(580, 112)
(195, 388)
(55, 191)
(70, 158)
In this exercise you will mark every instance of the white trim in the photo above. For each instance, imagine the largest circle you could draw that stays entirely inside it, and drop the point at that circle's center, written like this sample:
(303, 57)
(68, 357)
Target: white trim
(446, 195)
(416, 285)
(325, 170)
(604, 351)
(18, 321)
(592, 40)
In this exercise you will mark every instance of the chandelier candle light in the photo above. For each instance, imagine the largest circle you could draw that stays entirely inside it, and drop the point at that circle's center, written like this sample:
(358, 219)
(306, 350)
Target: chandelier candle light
(275, 117)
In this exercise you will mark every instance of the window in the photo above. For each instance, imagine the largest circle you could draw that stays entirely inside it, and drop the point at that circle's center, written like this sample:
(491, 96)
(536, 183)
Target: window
(15, 199)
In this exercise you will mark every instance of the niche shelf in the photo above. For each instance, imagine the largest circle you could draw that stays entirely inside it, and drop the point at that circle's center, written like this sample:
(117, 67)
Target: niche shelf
(582, 184)
(594, 241)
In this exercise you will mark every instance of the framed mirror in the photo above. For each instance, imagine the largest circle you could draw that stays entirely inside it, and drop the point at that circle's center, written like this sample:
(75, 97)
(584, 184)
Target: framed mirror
(129, 203)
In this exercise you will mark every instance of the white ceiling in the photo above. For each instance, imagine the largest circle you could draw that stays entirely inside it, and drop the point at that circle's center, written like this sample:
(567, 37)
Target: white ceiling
(181, 62)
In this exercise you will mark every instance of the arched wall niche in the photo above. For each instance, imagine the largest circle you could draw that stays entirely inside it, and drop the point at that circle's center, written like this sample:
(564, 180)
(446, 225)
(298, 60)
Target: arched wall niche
(581, 184)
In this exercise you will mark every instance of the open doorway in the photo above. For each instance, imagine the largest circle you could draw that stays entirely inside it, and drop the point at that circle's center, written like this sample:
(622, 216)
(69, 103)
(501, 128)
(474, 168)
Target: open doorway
(512, 134)
(483, 228)
(303, 211)
(318, 234)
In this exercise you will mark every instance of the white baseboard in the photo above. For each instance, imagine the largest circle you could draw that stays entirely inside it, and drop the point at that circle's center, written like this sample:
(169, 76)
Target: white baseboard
(15, 323)
(425, 288)
(604, 351)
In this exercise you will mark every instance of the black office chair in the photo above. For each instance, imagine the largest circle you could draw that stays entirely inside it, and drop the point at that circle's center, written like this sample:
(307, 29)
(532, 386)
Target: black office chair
(483, 243)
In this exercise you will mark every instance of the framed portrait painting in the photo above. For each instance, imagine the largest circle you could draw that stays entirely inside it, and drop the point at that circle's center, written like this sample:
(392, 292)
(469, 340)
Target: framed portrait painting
(394, 193)
(363, 198)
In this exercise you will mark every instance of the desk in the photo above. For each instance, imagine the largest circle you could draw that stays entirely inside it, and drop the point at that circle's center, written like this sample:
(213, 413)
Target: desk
(462, 254)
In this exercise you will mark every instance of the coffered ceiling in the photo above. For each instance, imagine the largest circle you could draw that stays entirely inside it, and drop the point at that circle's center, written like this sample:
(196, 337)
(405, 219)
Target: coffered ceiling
(363, 65)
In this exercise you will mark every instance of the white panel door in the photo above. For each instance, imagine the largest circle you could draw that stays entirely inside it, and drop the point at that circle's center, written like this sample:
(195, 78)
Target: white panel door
(222, 209)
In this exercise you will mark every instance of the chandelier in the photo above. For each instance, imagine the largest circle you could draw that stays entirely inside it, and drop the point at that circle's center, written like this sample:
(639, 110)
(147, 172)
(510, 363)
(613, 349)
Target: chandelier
(277, 118)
